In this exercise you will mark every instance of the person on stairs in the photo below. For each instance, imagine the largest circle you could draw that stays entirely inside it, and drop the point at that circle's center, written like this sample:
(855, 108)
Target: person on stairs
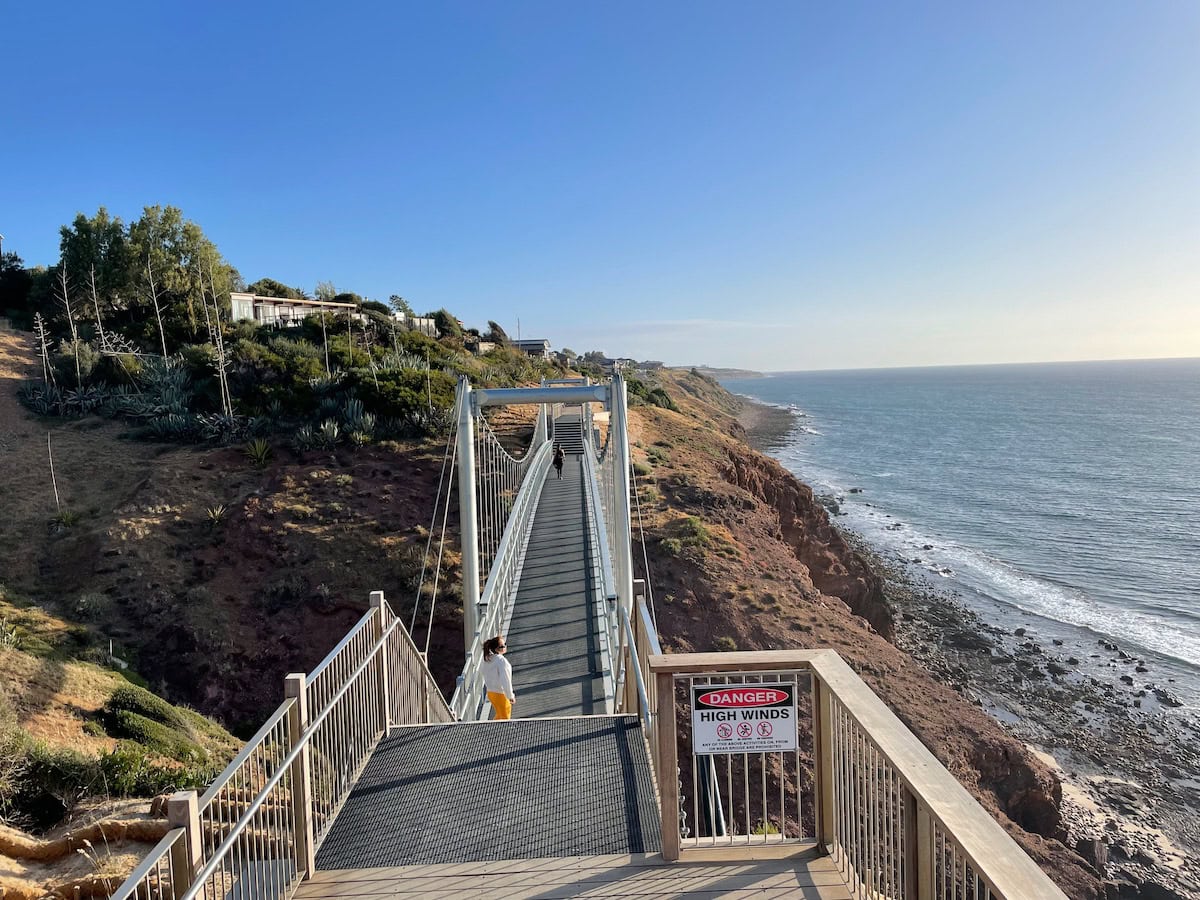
(497, 676)
(558, 459)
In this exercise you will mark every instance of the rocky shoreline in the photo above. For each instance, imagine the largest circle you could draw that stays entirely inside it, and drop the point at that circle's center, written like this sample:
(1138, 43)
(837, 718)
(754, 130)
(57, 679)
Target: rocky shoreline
(1129, 764)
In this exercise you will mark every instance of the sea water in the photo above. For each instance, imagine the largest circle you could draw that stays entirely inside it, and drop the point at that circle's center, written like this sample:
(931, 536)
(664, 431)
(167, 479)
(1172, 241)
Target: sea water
(1061, 497)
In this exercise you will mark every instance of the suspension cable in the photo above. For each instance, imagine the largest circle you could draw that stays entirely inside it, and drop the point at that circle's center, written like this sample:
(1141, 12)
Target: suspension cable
(442, 480)
(438, 571)
(645, 557)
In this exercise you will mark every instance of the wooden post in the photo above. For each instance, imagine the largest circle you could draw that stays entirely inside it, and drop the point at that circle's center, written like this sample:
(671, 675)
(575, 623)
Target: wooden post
(301, 777)
(918, 849)
(668, 766)
(385, 705)
(183, 811)
(822, 728)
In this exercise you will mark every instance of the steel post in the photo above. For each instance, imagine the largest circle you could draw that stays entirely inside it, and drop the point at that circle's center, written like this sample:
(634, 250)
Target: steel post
(624, 527)
(466, 513)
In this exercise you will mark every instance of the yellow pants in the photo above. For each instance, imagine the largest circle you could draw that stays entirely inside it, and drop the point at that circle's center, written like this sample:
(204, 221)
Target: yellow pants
(501, 704)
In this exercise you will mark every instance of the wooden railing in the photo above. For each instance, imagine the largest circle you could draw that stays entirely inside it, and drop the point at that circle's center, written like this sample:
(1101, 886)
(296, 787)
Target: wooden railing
(860, 787)
(256, 830)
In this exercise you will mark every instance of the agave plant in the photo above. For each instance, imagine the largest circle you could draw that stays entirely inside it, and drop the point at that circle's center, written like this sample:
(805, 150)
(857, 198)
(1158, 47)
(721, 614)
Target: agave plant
(216, 514)
(223, 429)
(352, 413)
(359, 439)
(328, 408)
(85, 400)
(258, 451)
(43, 399)
(172, 427)
(328, 434)
(304, 439)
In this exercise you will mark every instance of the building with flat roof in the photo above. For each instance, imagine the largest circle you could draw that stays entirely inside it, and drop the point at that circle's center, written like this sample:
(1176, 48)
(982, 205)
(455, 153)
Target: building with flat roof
(283, 311)
(539, 347)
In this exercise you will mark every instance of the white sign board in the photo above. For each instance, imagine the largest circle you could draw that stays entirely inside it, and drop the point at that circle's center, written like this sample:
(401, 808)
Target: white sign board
(743, 718)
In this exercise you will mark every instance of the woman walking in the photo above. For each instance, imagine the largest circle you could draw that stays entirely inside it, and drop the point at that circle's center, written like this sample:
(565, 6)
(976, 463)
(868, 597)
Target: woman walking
(497, 676)
(558, 459)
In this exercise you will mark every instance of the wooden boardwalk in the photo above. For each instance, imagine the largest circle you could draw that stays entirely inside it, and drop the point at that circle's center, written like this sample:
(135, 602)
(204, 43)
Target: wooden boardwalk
(637, 875)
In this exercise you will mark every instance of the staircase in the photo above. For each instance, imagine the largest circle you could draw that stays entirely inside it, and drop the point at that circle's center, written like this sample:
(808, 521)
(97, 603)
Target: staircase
(568, 432)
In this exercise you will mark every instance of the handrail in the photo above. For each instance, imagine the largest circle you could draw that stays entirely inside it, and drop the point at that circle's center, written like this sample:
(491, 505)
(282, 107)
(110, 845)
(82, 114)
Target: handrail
(593, 485)
(501, 583)
(993, 856)
(340, 646)
(282, 769)
(250, 748)
(151, 862)
(644, 712)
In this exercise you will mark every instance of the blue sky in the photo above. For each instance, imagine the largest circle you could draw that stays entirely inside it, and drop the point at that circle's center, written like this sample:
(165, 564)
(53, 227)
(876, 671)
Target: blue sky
(771, 185)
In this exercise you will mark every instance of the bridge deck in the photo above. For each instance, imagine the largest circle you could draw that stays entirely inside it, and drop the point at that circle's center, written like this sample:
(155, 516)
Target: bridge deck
(499, 790)
(633, 875)
(555, 651)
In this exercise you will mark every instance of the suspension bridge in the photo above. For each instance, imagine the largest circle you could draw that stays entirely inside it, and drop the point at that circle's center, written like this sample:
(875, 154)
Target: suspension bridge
(609, 780)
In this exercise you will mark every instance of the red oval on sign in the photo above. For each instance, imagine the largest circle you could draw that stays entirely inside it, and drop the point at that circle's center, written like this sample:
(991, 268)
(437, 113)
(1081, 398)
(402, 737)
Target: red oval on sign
(740, 697)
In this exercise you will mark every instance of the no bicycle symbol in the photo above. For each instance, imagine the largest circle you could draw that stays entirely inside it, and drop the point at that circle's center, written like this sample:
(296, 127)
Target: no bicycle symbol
(743, 718)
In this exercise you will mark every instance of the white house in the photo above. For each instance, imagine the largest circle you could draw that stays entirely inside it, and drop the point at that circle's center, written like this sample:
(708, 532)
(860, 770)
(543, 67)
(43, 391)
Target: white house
(539, 348)
(283, 311)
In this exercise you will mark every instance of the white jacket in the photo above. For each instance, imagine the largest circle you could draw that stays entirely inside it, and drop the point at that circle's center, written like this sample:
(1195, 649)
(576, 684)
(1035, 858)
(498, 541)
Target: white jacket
(497, 675)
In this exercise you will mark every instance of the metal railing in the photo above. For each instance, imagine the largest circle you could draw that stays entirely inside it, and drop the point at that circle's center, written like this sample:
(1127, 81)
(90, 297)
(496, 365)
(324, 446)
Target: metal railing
(501, 588)
(859, 786)
(162, 875)
(255, 832)
(605, 607)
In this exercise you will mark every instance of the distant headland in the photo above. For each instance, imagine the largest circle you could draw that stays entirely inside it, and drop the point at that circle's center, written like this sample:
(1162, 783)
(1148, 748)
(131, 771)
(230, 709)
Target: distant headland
(718, 374)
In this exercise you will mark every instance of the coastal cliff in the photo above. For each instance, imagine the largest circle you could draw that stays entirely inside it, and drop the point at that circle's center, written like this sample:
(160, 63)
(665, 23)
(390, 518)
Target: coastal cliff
(742, 556)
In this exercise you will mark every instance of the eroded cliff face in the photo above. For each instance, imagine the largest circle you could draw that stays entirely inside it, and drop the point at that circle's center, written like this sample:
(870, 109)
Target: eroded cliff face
(834, 567)
(743, 557)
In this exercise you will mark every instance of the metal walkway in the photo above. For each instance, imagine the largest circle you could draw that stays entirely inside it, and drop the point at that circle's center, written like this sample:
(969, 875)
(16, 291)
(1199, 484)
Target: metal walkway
(499, 790)
(555, 650)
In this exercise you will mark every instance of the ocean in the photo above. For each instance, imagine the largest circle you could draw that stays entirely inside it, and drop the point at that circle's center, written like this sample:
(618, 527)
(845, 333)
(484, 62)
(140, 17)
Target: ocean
(1060, 497)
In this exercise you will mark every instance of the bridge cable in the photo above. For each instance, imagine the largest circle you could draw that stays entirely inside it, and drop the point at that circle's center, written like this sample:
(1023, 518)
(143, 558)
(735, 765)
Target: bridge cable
(645, 557)
(443, 480)
(441, 549)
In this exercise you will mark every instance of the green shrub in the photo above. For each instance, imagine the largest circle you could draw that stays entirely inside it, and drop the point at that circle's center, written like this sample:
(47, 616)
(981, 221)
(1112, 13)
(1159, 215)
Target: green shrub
(153, 736)
(725, 645)
(258, 451)
(143, 703)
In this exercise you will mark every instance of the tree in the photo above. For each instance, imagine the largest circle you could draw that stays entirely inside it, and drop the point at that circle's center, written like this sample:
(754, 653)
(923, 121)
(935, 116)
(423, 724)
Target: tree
(180, 258)
(348, 297)
(325, 290)
(447, 325)
(400, 305)
(15, 284)
(97, 249)
(269, 287)
(496, 334)
(376, 306)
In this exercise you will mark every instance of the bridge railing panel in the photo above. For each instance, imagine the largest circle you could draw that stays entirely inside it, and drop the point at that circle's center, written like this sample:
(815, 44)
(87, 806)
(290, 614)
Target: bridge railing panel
(255, 832)
(860, 787)
(501, 588)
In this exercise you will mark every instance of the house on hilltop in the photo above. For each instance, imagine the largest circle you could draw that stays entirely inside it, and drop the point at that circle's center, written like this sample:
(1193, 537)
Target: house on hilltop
(539, 348)
(284, 312)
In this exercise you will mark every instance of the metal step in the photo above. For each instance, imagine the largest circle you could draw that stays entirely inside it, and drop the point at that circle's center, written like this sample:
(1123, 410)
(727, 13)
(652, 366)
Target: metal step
(568, 433)
(521, 789)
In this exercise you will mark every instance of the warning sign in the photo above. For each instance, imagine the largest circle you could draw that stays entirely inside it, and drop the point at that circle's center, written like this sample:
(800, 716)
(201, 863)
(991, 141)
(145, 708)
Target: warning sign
(743, 718)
